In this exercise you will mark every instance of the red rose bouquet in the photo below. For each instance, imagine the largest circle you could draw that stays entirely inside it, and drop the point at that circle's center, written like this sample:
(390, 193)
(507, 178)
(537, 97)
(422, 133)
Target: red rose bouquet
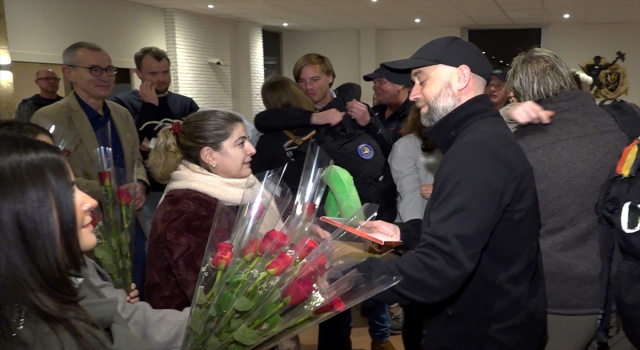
(273, 278)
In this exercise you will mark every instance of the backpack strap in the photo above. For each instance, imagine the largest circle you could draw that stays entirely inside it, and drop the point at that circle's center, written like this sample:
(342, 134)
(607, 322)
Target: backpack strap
(296, 139)
(624, 114)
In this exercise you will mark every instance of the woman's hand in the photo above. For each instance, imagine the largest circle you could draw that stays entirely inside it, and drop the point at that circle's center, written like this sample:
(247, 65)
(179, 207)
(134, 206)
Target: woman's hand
(133, 297)
(425, 191)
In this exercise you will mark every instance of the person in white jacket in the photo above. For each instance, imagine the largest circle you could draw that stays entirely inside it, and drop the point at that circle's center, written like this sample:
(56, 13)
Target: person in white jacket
(413, 160)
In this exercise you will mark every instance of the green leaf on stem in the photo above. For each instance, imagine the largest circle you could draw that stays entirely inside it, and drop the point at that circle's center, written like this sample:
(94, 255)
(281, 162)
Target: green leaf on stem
(243, 304)
(247, 336)
(224, 302)
(235, 346)
(197, 321)
(235, 281)
(213, 343)
(212, 312)
(236, 322)
(272, 323)
(202, 297)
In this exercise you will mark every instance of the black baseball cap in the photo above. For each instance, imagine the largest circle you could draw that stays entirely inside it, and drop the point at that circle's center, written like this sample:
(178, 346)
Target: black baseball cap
(450, 51)
(394, 77)
(500, 73)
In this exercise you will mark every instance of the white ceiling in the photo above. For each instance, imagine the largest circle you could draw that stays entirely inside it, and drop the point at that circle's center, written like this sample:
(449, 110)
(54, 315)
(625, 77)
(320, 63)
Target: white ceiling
(308, 15)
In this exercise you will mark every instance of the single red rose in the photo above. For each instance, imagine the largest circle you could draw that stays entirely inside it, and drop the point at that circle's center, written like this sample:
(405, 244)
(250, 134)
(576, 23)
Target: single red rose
(279, 264)
(305, 247)
(124, 196)
(315, 268)
(309, 209)
(105, 178)
(299, 290)
(334, 305)
(272, 242)
(223, 256)
(250, 250)
(95, 219)
(224, 247)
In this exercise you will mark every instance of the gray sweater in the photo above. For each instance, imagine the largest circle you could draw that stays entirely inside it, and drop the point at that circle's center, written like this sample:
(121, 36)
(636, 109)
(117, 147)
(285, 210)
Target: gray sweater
(158, 329)
(571, 158)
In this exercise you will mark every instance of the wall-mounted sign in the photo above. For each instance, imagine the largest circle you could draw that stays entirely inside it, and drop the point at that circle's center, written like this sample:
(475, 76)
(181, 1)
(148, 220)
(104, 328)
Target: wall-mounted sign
(609, 79)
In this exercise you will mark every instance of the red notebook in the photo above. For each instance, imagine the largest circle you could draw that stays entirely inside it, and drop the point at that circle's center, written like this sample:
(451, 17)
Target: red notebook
(363, 232)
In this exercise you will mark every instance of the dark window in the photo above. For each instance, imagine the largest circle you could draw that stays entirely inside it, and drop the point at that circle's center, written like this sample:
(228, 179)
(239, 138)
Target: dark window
(272, 48)
(502, 45)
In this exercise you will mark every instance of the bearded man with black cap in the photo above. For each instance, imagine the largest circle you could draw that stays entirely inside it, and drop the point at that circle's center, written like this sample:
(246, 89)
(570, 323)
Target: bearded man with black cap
(392, 95)
(475, 262)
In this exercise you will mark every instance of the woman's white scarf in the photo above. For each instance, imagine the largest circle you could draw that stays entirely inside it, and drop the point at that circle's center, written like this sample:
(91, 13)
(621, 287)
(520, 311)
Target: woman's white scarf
(229, 191)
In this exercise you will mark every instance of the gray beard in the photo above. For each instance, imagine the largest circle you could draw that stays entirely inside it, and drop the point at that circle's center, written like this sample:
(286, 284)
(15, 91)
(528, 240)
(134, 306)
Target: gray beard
(442, 104)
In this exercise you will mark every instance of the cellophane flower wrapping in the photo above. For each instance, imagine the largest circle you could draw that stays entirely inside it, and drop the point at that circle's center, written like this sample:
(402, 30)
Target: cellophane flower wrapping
(66, 139)
(272, 278)
(115, 218)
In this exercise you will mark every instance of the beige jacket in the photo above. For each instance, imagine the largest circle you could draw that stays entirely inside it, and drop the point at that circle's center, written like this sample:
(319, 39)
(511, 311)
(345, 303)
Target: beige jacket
(68, 116)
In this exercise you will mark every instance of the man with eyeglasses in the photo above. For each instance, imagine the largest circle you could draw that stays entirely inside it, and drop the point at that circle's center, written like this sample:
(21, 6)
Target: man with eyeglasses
(48, 82)
(87, 115)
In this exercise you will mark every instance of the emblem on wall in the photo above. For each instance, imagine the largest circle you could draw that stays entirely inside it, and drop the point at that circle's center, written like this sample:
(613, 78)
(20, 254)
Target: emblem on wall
(609, 79)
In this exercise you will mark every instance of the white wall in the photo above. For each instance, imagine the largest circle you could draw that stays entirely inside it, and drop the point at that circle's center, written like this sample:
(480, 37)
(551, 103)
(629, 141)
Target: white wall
(235, 85)
(191, 41)
(39, 30)
(577, 44)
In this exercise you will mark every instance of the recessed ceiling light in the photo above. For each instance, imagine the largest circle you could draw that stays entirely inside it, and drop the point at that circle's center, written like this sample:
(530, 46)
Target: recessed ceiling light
(210, 6)
(566, 15)
(500, 61)
(483, 52)
(494, 57)
(374, 0)
(285, 24)
(417, 20)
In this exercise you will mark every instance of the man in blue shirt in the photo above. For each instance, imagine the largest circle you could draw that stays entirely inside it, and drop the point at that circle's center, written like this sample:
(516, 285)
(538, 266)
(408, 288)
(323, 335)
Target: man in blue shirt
(95, 122)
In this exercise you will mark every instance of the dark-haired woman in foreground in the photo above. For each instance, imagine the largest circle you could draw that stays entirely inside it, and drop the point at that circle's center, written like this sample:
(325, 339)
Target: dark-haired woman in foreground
(46, 302)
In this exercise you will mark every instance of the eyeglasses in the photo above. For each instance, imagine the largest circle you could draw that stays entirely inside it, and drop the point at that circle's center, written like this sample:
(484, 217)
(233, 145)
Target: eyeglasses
(97, 71)
(49, 79)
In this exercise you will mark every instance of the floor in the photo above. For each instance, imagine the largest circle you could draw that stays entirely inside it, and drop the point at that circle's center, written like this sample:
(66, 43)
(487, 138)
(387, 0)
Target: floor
(359, 335)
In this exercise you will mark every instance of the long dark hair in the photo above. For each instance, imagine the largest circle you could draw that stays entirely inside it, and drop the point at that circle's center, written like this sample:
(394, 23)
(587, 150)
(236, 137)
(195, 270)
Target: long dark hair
(414, 126)
(40, 245)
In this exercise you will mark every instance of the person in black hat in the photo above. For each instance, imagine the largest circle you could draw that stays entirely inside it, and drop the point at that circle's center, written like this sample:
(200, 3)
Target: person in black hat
(392, 96)
(498, 95)
(476, 264)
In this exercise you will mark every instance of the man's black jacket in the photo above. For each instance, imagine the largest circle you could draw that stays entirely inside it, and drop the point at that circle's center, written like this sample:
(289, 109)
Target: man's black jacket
(477, 261)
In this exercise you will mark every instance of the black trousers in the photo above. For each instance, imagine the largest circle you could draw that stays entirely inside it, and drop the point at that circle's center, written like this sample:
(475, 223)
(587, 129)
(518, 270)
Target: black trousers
(413, 326)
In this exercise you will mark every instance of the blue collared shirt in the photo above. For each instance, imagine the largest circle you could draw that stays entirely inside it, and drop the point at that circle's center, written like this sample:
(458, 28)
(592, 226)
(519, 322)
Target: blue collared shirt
(107, 136)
